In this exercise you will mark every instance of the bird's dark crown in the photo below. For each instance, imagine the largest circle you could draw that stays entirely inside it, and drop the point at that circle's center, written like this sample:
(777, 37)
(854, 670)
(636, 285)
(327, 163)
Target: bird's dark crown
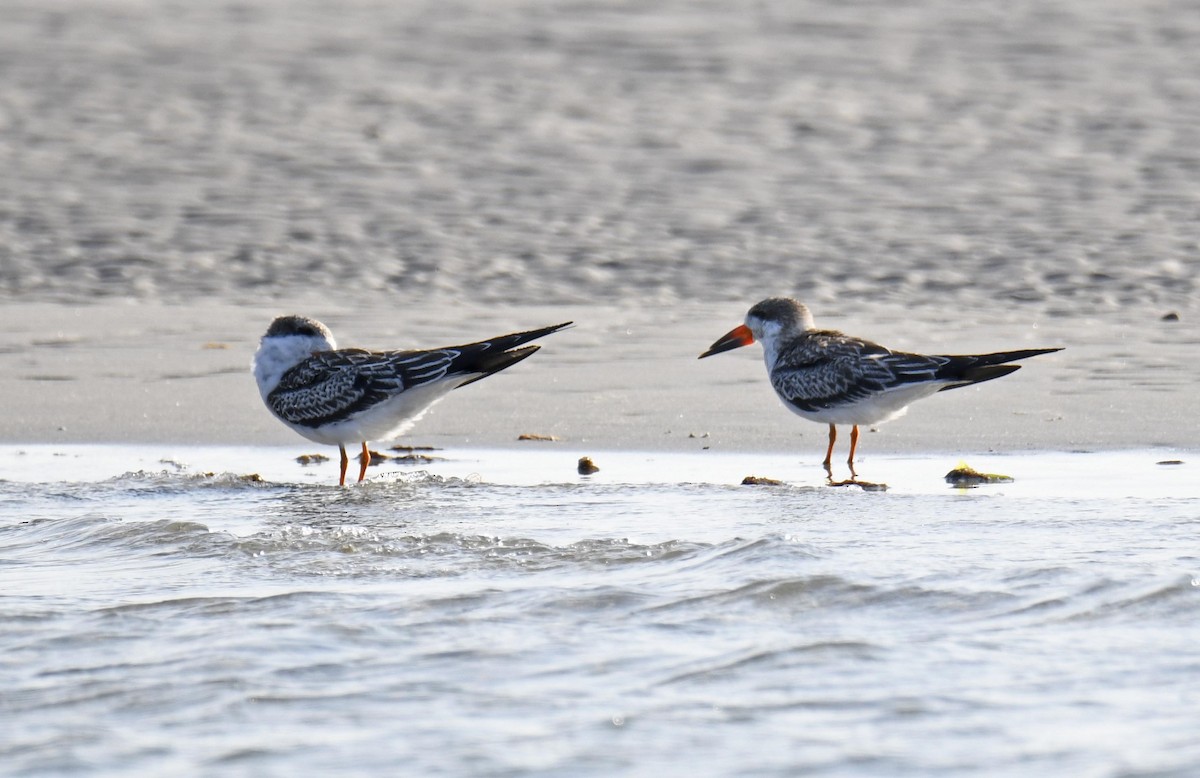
(297, 325)
(783, 310)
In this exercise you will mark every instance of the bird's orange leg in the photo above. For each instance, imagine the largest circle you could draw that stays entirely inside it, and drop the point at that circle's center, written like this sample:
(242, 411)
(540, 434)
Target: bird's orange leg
(853, 448)
(829, 451)
(366, 460)
(345, 461)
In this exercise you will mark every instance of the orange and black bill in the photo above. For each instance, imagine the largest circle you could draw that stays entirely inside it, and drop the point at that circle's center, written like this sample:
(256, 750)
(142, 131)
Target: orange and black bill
(736, 338)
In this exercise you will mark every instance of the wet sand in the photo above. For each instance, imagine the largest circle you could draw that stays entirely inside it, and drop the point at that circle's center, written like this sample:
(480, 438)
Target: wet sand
(622, 378)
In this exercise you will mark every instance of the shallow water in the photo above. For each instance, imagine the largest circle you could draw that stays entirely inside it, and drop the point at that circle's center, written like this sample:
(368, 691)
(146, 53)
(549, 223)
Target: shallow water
(494, 613)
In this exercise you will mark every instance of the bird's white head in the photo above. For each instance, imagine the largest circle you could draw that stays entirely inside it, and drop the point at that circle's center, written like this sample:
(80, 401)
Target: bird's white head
(767, 322)
(288, 341)
(775, 321)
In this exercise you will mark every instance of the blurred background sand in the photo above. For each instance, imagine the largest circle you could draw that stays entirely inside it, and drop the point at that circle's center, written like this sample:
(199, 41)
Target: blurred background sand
(936, 176)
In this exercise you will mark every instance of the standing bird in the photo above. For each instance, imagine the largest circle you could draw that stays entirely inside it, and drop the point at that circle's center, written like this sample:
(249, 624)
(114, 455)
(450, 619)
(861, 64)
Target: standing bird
(832, 378)
(338, 396)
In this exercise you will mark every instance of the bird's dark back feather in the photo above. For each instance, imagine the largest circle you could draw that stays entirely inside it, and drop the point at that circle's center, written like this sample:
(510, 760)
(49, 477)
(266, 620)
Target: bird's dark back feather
(333, 386)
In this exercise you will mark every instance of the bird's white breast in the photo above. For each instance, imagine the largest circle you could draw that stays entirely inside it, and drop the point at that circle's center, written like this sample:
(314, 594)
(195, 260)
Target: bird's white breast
(876, 408)
(385, 421)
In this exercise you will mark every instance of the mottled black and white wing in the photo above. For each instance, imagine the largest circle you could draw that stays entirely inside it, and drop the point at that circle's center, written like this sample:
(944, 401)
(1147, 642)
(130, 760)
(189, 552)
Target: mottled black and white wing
(332, 386)
(830, 370)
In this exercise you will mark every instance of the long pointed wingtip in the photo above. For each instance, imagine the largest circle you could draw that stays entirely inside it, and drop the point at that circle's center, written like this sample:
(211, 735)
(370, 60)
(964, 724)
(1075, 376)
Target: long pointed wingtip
(554, 328)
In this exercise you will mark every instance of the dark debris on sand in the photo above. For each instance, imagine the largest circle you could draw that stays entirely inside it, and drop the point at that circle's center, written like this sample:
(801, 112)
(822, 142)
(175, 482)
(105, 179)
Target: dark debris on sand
(756, 480)
(965, 475)
(866, 486)
(378, 457)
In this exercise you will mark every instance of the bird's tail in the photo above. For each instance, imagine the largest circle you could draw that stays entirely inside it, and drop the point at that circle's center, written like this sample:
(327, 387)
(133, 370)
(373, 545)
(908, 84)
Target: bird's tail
(975, 369)
(495, 354)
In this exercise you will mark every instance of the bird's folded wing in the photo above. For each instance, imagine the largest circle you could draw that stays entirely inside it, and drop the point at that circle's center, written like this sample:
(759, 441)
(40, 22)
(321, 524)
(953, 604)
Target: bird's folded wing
(842, 372)
(332, 386)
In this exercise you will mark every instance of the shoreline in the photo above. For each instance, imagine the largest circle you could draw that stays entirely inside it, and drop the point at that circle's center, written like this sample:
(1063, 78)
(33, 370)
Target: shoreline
(1103, 475)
